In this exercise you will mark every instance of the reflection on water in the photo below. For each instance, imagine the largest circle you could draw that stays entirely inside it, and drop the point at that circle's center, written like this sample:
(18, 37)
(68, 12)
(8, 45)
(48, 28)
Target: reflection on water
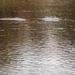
(37, 37)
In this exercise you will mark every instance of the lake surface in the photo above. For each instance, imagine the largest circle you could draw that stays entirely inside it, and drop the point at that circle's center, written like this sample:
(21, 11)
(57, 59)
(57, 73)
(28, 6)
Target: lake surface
(37, 37)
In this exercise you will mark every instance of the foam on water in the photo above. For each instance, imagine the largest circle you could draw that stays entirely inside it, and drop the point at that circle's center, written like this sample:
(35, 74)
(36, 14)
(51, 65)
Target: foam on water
(54, 19)
(13, 19)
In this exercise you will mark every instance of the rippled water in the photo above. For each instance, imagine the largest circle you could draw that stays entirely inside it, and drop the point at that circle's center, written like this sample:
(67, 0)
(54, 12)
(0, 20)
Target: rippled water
(37, 37)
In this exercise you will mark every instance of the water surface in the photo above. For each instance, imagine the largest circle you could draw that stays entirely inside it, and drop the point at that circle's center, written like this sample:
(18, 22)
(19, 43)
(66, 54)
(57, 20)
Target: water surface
(37, 37)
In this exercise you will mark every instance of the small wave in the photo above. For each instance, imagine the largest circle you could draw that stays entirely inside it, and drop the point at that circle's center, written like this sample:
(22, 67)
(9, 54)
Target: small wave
(54, 19)
(13, 19)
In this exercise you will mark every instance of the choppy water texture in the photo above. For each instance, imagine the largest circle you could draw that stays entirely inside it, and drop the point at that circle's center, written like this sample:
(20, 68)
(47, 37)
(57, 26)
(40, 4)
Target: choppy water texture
(37, 37)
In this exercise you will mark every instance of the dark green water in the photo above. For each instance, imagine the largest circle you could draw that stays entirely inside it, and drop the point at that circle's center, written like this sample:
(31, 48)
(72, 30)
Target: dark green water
(37, 37)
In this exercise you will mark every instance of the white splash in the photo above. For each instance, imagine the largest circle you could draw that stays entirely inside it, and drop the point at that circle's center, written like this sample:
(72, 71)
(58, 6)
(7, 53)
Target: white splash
(54, 19)
(13, 19)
